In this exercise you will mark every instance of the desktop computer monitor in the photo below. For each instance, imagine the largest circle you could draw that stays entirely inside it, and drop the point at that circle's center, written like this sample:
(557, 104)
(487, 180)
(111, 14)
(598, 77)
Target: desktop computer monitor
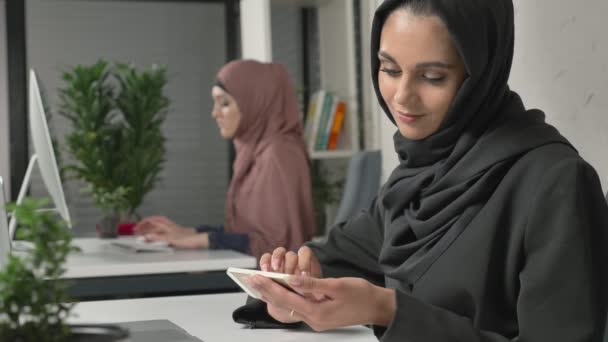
(5, 246)
(44, 156)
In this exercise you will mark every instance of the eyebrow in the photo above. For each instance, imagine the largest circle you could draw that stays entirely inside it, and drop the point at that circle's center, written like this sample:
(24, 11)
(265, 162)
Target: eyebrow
(384, 55)
(433, 65)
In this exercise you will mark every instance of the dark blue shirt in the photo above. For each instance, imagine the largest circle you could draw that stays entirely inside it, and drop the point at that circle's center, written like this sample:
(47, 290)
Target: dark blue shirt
(219, 239)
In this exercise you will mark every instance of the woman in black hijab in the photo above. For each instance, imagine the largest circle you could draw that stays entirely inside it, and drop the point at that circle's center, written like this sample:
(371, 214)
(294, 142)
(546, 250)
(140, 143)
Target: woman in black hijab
(492, 227)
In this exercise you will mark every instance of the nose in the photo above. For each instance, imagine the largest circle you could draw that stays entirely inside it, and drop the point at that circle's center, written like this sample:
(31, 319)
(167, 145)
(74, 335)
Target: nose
(405, 90)
(214, 112)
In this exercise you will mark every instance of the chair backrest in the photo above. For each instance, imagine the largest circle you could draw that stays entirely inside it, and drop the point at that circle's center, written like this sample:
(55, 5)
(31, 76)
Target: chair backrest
(362, 184)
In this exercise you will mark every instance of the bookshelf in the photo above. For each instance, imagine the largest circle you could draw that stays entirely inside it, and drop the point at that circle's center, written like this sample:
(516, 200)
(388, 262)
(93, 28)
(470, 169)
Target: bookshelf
(338, 71)
(337, 62)
(332, 154)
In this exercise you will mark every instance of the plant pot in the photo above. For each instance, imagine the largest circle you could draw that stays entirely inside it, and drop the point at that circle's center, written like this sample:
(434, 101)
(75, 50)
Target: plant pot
(98, 333)
(126, 228)
(107, 228)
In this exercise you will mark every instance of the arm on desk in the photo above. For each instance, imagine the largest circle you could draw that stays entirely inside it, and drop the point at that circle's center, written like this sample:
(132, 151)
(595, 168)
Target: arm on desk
(219, 239)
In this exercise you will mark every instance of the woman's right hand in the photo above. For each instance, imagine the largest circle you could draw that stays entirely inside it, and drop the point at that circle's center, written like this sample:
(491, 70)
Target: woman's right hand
(163, 228)
(303, 263)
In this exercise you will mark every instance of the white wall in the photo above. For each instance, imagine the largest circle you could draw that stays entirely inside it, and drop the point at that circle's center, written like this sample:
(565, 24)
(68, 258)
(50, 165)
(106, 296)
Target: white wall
(4, 134)
(255, 30)
(371, 109)
(187, 37)
(383, 128)
(561, 67)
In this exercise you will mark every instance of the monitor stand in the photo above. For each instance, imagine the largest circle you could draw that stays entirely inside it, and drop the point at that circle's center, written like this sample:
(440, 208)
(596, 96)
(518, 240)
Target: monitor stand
(18, 245)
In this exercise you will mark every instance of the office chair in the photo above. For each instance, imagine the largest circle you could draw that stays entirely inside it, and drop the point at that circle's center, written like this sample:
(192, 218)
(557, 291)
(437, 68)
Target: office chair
(362, 184)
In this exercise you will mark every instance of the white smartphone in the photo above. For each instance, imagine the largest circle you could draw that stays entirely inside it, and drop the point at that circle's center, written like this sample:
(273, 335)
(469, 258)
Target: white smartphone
(239, 275)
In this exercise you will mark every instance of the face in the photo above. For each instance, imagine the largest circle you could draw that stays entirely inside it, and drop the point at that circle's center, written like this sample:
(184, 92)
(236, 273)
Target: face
(225, 111)
(420, 72)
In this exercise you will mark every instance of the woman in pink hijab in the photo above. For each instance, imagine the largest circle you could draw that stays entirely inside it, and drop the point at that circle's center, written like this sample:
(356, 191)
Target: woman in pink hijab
(269, 201)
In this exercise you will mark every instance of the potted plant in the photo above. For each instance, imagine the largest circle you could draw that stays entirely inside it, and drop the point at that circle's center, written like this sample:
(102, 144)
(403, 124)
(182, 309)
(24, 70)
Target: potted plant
(34, 305)
(143, 108)
(114, 206)
(116, 112)
(325, 193)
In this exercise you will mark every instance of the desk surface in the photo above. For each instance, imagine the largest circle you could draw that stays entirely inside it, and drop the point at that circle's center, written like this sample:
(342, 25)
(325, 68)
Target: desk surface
(99, 259)
(208, 317)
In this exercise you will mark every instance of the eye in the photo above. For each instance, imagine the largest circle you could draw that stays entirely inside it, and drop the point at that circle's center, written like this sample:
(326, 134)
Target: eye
(390, 72)
(433, 77)
(225, 103)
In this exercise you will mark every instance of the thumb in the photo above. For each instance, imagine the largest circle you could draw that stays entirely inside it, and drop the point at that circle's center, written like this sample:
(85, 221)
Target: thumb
(308, 284)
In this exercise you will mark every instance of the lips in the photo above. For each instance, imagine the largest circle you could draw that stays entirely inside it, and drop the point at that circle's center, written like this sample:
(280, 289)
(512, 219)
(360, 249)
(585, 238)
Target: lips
(408, 117)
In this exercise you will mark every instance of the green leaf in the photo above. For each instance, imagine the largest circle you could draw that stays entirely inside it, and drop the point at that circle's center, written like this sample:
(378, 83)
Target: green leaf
(31, 295)
(117, 112)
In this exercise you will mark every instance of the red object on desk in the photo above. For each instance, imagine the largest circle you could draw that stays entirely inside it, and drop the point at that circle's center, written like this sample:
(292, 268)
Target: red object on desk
(126, 228)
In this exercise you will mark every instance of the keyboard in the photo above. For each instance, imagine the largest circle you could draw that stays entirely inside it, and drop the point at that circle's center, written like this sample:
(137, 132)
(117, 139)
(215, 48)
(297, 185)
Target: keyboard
(22, 246)
(139, 245)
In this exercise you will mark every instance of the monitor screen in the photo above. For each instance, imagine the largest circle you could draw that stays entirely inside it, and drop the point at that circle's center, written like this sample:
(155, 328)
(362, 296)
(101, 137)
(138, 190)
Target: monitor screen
(44, 156)
(43, 149)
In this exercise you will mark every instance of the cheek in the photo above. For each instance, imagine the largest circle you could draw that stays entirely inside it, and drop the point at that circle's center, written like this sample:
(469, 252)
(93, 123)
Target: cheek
(387, 87)
(225, 114)
(231, 118)
(437, 100)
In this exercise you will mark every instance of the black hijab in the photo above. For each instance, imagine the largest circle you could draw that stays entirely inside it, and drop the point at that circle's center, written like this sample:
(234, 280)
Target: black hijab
(443, 181)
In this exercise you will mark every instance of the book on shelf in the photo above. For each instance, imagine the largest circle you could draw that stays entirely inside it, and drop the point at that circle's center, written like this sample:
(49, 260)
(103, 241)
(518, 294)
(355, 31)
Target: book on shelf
(326, 111)
(324, 137)
(324, 121)
(310, 115)
(336, 126)
(315, 110)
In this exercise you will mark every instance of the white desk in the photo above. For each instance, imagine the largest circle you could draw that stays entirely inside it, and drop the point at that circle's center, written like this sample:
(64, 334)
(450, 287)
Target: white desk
(98, 259)
(208, 317)
(101, 271)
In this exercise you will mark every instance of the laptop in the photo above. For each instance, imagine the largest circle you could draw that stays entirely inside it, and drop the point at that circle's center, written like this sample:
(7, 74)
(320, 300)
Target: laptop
(157, 331)
(138, 331)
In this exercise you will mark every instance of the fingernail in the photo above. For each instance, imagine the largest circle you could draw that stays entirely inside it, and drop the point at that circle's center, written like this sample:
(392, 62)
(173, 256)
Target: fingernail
(294, 281)
(275, 264)
(304, 273)
(264, 267)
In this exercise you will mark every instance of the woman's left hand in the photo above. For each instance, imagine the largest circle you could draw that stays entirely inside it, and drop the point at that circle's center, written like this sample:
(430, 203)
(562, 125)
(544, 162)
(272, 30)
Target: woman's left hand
(200, 240)
(348, 301)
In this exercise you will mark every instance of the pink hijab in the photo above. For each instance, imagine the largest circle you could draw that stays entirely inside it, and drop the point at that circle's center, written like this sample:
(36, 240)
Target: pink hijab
(269, 197)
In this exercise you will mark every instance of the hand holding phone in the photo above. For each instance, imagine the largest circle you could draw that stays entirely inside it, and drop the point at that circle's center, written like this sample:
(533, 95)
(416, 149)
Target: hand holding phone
(240, 275)
(283, 261)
